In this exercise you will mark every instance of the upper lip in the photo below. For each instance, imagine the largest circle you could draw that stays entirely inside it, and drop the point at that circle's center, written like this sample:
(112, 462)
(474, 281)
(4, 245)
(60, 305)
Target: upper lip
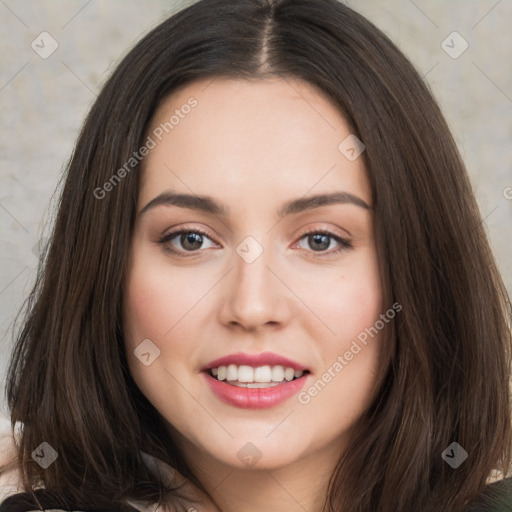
(254, 360)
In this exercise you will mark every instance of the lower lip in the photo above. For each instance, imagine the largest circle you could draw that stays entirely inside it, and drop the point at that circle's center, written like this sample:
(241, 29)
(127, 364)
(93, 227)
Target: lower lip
(254, 398)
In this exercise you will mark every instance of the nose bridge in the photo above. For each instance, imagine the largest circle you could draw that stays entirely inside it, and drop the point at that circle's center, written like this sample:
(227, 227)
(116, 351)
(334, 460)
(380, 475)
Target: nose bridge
(253, 257)
(255, 294)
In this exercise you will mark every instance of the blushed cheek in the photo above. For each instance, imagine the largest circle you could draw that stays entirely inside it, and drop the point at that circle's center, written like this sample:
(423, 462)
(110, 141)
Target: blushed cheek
(351, 306)
(144, 320)
(160, 304)
(366, 292)
(139, 308)
(148, 308)
(367, 304)
(150, 295)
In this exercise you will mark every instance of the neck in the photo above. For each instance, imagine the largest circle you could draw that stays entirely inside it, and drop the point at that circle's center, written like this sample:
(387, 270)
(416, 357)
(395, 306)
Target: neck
(295, 487)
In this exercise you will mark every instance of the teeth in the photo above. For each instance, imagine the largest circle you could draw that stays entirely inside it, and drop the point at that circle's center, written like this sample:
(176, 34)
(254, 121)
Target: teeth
(245, 373)
(289, 373)
(222, 372)
(231, 372)
(254, 384)
(247, 376)
(262, 374)
(278, 374)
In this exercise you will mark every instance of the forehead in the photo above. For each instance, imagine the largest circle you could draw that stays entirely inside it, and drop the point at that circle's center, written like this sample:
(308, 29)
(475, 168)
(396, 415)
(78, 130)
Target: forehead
(254, 136)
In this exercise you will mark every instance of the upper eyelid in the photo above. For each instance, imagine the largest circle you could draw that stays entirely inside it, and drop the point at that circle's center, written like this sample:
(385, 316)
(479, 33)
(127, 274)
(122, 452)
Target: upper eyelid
(332, 232)
(203, 232)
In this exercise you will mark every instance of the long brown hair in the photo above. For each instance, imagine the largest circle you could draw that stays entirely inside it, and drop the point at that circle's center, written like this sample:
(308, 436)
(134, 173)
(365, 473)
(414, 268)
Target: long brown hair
(448, 376)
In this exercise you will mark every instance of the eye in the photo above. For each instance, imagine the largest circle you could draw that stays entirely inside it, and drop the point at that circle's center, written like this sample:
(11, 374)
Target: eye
(190, 240)
(320, 241)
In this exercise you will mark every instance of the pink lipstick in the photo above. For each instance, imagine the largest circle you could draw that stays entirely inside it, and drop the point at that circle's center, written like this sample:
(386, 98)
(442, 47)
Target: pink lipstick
(255, 381)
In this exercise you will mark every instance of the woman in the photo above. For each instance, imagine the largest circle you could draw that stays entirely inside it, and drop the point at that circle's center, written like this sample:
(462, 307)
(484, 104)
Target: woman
(268, 285)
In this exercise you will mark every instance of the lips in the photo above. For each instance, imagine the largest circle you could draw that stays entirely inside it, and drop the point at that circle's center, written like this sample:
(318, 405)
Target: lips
(255, 360)
(251, 394)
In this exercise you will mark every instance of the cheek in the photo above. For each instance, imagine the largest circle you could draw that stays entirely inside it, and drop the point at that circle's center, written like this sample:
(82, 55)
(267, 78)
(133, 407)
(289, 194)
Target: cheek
(144, 305)
(351, 300)
(153, 310)
(162, 304)
(157, 298)
(350, 352)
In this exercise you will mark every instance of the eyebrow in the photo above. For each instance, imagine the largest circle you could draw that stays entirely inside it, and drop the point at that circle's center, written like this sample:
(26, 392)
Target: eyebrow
(207, 204)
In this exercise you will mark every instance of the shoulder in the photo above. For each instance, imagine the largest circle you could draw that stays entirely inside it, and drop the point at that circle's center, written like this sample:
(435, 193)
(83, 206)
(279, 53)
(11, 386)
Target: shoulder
(10, 479)
(13, 496)
(496, 497)
(44, 500)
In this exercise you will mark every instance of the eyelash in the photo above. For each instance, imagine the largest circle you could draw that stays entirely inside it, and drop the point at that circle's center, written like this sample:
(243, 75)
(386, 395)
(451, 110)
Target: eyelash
(343, 242)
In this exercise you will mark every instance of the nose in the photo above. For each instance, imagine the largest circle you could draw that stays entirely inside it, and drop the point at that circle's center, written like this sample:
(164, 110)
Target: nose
(254, 296)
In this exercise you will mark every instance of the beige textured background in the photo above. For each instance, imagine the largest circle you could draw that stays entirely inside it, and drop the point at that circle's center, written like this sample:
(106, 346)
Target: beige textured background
(44, 101)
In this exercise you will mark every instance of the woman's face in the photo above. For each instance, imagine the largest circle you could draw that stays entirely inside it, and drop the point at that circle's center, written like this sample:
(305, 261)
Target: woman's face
(248, 279)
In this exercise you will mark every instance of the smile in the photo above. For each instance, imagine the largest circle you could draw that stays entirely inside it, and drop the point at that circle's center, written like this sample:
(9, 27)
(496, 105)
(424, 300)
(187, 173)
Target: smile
(259, 377)
(254, 381)
(254, 395)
